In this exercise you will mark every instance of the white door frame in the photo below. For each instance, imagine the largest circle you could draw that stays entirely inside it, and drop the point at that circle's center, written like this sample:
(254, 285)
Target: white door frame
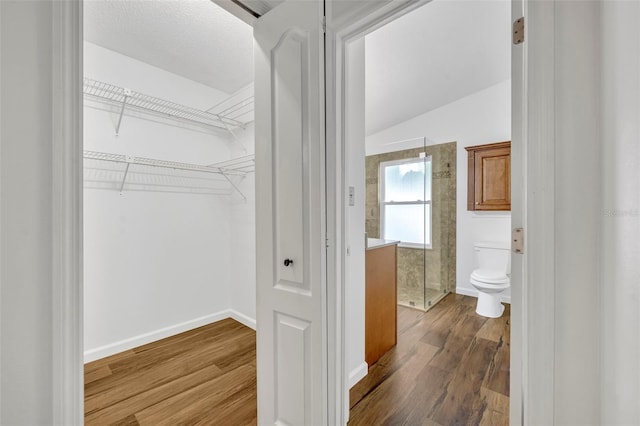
(533, 280)
(535, 94)
(67, 294)
(339, 34)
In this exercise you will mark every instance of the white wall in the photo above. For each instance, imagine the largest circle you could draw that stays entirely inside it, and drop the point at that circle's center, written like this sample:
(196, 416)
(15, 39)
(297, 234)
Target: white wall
(619, 286)
(26, 349)
(355, 267)
(112, 67)
(242, 262)
(155, 263)
(481, 118)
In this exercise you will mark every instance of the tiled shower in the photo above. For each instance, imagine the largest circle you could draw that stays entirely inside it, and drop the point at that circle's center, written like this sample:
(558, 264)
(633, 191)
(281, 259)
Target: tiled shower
(424, 275)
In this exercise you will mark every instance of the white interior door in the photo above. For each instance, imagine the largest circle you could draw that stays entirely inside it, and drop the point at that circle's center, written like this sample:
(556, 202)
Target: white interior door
(290, 214)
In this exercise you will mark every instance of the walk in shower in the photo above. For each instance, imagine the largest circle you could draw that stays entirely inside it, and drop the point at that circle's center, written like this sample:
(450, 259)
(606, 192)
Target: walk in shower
(411, 198)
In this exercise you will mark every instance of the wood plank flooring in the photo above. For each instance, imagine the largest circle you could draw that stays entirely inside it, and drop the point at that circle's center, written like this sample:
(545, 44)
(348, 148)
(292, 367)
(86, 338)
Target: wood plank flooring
(450, 367)
(202, 377)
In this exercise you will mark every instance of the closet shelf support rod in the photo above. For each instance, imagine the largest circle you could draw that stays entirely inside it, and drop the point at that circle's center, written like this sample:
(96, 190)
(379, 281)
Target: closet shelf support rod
(124, 178)
(127, 93)
(244, 148)
(234, 185)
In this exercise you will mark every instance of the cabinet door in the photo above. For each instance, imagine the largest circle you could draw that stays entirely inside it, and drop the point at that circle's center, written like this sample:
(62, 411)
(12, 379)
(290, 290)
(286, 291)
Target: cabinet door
(380, 302)
(492, 179)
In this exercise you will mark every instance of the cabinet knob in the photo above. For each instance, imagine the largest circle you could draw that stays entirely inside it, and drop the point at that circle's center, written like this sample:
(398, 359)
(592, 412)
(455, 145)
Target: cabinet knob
(288, 262)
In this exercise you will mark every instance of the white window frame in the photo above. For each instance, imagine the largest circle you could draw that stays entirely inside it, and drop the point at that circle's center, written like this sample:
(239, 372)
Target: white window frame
(382, 204)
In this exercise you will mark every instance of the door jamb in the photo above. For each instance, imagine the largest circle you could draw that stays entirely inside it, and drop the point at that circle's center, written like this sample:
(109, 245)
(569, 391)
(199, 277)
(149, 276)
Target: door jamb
(339, 34)
(67, 171)
(535, 326)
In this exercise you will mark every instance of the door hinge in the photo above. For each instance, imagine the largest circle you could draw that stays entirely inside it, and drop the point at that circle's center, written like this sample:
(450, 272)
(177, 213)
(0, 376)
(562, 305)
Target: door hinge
(518, 31)
(517, 240)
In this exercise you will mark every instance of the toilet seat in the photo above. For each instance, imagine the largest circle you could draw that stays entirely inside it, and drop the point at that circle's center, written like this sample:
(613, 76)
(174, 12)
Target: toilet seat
(489, 276)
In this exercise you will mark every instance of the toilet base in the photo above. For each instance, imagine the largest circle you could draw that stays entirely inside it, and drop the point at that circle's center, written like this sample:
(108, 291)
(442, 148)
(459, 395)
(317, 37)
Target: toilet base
(489, 305)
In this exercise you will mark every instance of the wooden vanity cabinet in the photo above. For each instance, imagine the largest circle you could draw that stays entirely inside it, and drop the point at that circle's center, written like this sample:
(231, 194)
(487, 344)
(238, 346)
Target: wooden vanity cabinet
(489, 176)
(381, 326)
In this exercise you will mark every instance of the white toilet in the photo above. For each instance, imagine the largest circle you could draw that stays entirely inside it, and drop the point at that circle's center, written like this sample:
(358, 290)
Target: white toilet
(493, 261)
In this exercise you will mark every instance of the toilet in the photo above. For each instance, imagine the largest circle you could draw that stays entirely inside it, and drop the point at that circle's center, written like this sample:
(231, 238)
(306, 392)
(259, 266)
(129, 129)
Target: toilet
(491, 277)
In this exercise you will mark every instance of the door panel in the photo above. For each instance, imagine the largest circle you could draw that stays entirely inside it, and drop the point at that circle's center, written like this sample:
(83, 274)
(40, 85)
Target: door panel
(290, 214)
(293, 354)
(290, 149)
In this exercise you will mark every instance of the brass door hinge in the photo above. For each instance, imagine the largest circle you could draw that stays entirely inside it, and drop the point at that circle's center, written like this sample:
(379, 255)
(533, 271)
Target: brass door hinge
(518, 31)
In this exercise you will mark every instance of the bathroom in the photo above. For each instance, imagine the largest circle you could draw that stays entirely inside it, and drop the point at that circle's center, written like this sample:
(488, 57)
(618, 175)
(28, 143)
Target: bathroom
(441, 107)
(430, 138)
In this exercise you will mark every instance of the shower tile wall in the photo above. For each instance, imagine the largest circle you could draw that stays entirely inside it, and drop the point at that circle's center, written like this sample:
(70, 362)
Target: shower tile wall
(441, 258)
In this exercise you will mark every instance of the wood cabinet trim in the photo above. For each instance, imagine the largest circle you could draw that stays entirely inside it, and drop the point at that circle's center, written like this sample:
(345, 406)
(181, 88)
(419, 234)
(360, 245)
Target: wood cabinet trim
(505, 144)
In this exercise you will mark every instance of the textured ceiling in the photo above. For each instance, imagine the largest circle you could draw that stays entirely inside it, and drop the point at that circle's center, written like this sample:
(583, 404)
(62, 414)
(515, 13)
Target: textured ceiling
(196, 39)
(441, 52)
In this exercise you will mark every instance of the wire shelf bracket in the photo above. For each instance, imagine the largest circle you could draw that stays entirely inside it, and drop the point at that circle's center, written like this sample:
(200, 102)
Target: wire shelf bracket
(234, 185)
(236, 139)
(127, 94)
(124, 178)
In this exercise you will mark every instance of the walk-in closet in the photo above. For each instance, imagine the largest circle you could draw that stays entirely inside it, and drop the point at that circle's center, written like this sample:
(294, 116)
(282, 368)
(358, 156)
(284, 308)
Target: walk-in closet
(169, 217)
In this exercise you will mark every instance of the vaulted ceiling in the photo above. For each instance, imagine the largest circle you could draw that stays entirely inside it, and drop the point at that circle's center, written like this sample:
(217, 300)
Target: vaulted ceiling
(196, 39)
(441, 52)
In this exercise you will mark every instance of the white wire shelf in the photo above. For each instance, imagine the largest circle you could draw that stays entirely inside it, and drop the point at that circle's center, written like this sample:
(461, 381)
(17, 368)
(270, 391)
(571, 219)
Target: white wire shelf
(128, 99)
(245, 164)
(141, 173)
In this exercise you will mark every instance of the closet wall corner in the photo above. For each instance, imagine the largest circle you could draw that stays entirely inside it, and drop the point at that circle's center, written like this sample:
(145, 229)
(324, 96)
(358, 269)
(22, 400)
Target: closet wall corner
(168, 202)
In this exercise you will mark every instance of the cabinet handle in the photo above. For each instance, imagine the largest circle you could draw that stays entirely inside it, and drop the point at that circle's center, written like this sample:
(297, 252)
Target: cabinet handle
(288, 262)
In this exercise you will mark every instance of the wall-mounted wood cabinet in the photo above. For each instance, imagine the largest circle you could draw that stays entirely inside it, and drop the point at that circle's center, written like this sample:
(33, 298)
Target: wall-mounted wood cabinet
(489, 176)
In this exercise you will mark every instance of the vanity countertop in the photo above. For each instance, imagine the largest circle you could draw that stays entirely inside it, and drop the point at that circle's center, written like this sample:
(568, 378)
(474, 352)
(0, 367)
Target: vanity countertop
(374, 243)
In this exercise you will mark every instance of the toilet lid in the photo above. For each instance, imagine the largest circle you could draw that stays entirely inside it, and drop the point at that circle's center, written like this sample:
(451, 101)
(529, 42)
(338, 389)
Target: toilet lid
(490, 276)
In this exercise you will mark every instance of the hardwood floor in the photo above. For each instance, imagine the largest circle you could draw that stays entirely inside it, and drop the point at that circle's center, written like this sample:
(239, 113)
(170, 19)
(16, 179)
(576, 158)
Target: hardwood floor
(202, 377)
(450, 367)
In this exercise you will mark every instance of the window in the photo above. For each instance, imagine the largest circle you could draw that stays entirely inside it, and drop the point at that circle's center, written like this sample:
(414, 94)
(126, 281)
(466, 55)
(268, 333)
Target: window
(405, 201)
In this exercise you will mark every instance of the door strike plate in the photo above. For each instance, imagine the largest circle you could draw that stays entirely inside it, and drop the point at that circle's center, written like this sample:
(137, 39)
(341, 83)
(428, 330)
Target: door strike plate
(517, 240)
(518, 31)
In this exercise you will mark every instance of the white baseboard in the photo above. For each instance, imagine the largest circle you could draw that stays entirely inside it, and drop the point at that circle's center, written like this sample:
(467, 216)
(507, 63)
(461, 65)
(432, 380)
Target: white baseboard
(143, 339)
(242, 318)
(467, 291)
(474, 293)
(358, 374)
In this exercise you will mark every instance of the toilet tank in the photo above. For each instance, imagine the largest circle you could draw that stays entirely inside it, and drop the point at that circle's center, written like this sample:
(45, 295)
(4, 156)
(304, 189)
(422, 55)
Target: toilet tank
(493, 255)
